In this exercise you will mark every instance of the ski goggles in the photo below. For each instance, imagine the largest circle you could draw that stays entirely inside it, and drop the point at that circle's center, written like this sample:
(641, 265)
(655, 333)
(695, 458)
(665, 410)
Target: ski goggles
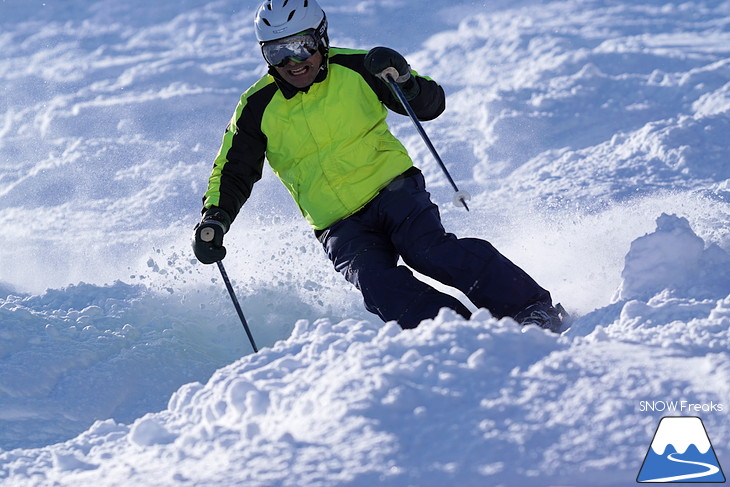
(298, 47)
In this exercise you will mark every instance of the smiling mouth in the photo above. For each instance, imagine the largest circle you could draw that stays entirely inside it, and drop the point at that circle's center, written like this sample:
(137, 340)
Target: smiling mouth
(299, 70)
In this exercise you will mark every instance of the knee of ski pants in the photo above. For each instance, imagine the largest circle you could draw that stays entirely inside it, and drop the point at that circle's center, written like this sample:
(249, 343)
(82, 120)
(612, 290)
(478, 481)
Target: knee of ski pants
(355, 255)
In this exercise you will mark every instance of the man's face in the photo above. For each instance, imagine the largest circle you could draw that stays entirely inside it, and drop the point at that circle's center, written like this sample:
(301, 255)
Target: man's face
(301, 74)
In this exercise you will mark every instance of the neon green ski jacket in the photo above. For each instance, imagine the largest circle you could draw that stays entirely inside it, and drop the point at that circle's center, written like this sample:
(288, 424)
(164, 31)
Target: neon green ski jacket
(329, 144)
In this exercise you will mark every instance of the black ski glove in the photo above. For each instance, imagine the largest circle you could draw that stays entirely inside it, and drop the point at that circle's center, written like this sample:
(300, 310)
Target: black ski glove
(208, 240)
(378, 59)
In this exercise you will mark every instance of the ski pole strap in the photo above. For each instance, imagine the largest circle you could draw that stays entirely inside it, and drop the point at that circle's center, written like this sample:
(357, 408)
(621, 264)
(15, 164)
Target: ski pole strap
(407, 106)
(227, 281)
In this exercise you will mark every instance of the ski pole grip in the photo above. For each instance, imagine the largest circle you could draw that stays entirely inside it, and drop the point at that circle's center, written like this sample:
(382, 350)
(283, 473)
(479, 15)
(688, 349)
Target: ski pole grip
(207, 230)
(390, 73)
(207, 234)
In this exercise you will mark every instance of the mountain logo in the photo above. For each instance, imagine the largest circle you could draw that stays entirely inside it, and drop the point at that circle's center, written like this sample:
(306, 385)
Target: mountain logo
(681, 452)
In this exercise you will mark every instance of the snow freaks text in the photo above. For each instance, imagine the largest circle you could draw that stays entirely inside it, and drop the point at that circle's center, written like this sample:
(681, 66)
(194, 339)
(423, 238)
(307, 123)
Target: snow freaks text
(681, 407)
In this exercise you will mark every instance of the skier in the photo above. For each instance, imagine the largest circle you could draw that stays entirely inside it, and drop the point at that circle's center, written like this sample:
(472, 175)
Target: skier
(318, 117)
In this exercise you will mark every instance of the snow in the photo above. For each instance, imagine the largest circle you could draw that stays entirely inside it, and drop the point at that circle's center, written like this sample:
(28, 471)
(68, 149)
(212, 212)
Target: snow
(689, 430)
(592, 136)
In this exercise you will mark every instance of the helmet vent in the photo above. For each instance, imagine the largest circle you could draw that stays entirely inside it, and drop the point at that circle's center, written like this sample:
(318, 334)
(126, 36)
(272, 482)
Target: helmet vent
(277, 18)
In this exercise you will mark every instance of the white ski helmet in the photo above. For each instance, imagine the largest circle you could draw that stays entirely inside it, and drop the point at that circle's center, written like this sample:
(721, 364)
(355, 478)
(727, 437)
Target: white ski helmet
(276, 19)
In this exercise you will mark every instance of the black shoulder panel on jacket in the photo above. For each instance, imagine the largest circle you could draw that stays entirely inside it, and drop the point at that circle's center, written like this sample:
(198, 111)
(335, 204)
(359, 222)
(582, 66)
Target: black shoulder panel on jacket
(429, 104)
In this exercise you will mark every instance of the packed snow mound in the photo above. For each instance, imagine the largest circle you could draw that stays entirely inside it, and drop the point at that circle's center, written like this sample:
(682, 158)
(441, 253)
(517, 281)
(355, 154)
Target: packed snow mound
(478, 402)
(674, 258)
(674, 289)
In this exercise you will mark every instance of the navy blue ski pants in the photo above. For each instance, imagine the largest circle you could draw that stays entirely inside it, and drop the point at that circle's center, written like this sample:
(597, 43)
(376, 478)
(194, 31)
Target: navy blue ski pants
(403, 222)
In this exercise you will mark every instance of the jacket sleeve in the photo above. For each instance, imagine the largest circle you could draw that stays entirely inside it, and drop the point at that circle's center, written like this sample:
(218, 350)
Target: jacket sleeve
(240, 160)
(428, 104)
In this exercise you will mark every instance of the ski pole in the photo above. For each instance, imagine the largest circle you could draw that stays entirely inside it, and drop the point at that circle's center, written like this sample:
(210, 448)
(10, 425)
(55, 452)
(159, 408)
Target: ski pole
(390, 75)
(224, 274)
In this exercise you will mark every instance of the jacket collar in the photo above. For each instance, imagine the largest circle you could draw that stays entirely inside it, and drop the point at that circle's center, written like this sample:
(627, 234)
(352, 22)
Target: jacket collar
(289, 90)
